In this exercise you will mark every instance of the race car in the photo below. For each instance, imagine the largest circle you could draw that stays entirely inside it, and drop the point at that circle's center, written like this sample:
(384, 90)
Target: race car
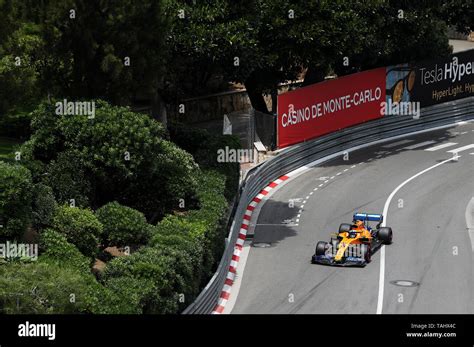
(355, 243)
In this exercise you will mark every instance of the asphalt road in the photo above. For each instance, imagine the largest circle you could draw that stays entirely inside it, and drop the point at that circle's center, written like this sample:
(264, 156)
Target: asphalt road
(431, 250)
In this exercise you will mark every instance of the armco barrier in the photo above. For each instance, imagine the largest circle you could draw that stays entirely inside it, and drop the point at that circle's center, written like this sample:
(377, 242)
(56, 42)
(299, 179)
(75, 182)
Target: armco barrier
(305, 153)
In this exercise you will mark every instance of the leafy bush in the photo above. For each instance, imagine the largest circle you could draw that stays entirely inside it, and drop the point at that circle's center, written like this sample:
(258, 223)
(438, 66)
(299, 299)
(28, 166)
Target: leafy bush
(55, 248)
(165, 273)
(118, 156)
(122, 225)
(15, 200)
(44, 206)
(81, 228)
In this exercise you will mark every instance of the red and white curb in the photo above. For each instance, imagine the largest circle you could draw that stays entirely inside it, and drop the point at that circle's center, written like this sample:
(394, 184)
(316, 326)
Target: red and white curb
(225, 293)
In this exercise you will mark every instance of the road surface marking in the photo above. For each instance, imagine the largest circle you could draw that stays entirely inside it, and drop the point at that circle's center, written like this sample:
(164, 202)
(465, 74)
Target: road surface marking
(421, 144)
(470, 221)
(460, 149)
(384, 223)
(444, 145)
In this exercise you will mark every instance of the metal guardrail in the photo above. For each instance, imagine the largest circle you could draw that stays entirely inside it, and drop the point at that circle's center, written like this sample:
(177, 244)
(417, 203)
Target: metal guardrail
(307, 152)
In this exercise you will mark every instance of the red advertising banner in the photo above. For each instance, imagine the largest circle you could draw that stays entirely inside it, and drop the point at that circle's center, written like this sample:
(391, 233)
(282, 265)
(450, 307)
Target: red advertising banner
(322, 108)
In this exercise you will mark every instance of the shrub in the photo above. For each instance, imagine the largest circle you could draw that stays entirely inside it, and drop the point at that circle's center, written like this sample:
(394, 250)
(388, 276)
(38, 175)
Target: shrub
(15, 200)
(163, 273)
(122, 225)
(55, 248)
(81, 228)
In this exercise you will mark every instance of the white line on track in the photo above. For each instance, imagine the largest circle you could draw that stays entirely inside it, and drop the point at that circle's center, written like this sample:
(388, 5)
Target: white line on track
(460, 149)
(384, 223)
(444, 145)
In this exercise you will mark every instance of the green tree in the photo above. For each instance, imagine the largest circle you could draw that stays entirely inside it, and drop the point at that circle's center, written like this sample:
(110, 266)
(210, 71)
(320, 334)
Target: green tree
(108, 49)
(118, 156)
(81, 228)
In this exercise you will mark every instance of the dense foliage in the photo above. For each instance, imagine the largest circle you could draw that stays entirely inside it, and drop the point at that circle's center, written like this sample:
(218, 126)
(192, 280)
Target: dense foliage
(118, 156)
(81, 228)
(15, 200)
(123, 226)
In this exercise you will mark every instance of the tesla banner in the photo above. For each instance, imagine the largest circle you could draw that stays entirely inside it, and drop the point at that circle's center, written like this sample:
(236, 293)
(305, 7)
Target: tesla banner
(322, 108)
(432, 82)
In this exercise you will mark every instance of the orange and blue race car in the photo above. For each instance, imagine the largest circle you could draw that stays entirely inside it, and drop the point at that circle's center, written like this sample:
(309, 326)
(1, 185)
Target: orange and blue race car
(355, 243)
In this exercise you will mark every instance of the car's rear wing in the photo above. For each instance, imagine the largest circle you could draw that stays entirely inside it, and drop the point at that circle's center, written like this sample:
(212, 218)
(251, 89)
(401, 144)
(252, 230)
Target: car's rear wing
(368, 217)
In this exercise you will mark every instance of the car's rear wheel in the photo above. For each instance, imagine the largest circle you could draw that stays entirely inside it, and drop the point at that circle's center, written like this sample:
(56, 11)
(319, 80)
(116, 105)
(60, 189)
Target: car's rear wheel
(321, 247)
(345, 227)
(385, 235)
(366, 252)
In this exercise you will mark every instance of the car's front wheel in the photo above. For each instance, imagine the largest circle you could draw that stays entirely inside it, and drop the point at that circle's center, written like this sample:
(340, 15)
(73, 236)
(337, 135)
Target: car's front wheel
(385, 235)
(321, 247)
(345, 227)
